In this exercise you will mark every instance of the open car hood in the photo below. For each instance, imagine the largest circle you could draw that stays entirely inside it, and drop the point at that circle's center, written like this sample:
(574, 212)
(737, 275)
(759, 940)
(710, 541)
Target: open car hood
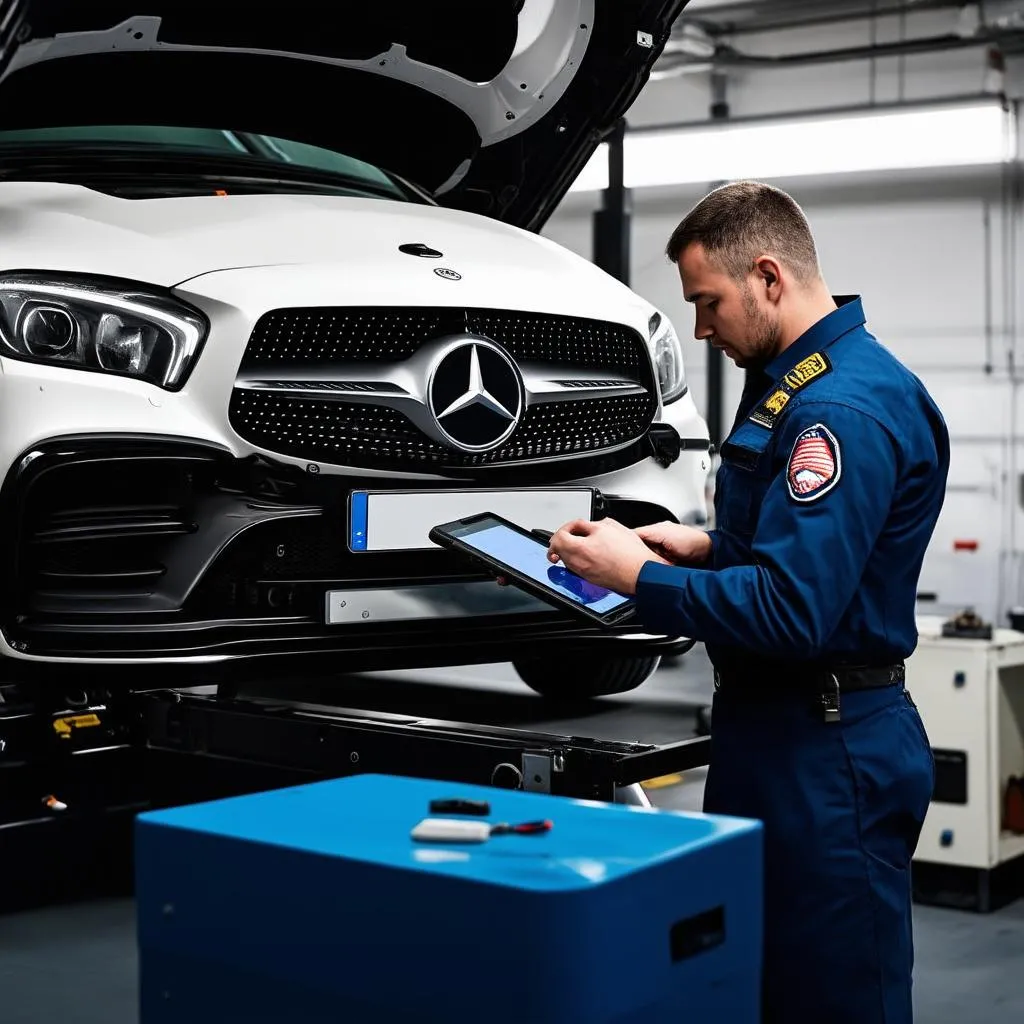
(494, 106)
(12, 25)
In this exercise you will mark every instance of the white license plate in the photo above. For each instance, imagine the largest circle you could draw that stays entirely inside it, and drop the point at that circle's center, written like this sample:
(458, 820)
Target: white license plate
(402, 520)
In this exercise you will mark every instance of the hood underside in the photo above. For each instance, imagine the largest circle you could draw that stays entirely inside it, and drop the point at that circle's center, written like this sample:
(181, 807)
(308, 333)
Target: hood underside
(494, 106)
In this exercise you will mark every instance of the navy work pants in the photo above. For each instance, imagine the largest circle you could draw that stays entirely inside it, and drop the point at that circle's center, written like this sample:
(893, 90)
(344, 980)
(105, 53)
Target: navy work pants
(842, 806)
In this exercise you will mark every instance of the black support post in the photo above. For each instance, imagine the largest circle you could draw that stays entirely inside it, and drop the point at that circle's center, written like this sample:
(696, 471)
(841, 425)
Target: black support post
(715, 413)
(612, 223)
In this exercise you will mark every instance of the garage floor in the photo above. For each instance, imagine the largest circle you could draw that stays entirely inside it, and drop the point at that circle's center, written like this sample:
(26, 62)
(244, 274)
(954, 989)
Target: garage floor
(78, 963)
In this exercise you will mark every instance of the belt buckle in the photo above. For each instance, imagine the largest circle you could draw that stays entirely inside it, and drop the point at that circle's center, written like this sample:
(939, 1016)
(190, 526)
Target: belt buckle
(830, 700)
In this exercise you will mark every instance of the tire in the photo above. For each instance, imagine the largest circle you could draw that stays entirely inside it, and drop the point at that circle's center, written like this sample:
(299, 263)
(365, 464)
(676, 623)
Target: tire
(584, 678)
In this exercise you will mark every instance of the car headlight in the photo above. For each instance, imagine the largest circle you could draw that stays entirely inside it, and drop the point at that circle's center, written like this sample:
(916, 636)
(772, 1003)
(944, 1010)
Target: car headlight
(89, 326)
(668, 358)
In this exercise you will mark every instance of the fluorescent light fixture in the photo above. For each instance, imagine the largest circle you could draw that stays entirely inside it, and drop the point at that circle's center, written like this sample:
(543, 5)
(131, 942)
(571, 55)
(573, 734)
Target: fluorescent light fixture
(951, 135)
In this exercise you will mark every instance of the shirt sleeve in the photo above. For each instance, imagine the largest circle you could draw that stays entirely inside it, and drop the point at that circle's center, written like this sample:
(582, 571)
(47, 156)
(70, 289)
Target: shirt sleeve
(715, 540)
(818, 524)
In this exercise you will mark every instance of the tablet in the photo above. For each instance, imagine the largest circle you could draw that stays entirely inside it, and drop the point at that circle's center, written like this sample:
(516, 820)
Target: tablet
(508, 550)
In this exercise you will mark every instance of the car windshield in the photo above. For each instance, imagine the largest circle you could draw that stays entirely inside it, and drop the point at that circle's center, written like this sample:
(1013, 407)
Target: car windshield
(202, 150)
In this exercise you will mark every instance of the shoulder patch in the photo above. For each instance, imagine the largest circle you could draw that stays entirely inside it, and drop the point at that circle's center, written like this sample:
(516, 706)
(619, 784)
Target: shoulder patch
(815, 464)
(799, 377)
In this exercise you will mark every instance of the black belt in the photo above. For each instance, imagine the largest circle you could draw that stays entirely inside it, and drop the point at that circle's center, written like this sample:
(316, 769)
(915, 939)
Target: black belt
(823, 684)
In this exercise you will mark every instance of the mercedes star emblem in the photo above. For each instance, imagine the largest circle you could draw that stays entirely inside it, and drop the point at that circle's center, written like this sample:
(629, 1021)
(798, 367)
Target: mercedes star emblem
(476, 395)
(448, 275)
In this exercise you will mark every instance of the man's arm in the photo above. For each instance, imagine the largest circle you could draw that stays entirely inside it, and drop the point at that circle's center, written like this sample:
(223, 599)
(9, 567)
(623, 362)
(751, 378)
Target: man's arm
(816, 529)
(679, 544)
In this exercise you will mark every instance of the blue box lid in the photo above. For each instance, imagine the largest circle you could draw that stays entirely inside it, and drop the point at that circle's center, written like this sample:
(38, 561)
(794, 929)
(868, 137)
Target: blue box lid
(369, 818)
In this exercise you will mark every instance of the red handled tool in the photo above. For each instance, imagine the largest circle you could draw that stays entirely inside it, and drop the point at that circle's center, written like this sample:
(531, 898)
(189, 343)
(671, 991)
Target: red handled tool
(527, 828)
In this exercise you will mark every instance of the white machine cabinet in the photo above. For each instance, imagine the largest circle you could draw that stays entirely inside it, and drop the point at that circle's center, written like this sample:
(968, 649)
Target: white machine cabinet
(970, 693)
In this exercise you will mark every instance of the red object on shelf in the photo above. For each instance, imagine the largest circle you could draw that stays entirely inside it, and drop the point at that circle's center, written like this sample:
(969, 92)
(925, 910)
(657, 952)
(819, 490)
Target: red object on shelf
(1013, 805)
(965, 545)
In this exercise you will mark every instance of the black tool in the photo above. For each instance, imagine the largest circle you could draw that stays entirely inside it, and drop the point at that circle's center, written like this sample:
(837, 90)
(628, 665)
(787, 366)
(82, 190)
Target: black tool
(460, 806)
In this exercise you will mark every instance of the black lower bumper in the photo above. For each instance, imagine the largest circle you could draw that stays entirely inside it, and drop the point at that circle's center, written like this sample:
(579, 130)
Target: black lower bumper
(178, 555)
(298, 656)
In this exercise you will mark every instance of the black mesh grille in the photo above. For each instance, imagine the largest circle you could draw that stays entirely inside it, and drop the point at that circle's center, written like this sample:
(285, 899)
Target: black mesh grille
(373, 437)
(304, 337)
(97, 531)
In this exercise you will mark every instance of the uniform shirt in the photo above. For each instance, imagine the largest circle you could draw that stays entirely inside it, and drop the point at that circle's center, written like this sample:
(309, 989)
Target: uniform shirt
(826, 498)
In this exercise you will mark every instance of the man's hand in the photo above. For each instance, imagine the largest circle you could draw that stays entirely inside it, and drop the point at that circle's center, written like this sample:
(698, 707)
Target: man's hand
(676, 544)
(603, 552)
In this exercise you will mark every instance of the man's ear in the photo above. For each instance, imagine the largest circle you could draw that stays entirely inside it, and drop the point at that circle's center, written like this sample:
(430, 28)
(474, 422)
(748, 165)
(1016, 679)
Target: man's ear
(768, 271)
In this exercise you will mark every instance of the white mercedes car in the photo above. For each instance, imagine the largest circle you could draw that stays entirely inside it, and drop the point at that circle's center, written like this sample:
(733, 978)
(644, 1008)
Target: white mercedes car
(273, 303)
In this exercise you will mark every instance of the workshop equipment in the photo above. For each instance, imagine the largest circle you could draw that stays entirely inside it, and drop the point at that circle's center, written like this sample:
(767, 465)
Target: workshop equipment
(72, 778)
(204, 746)
(967, 624)
(70, 795)
(970, 692)
(314, 903)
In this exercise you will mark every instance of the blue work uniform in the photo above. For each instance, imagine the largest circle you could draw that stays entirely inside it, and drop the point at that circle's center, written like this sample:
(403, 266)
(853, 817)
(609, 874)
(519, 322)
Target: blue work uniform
(830, 485)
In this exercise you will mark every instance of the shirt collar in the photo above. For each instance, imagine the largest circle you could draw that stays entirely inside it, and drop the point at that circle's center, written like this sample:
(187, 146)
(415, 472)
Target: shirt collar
(828, 329)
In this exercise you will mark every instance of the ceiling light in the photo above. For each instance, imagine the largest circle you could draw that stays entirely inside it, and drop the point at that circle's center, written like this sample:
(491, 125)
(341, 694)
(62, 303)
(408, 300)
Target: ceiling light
(951, 135)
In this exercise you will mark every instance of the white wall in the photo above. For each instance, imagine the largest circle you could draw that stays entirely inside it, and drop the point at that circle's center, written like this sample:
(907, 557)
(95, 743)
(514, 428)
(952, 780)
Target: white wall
(929, 252)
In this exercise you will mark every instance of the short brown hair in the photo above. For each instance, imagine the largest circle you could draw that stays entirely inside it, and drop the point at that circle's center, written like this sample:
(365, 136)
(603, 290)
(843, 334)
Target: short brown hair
(739, 222)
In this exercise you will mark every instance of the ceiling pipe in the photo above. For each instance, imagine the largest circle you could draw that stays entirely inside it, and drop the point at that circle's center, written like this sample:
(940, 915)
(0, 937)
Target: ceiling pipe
(827, 112)
(1006, 41)
(726, 56)
(751, 17)
(993, 14)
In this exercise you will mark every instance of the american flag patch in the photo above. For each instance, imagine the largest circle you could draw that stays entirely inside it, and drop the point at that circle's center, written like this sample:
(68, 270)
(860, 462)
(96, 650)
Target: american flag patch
(814, 464)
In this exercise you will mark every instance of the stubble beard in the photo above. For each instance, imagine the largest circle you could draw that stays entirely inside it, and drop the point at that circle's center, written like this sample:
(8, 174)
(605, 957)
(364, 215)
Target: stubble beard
(763, 334)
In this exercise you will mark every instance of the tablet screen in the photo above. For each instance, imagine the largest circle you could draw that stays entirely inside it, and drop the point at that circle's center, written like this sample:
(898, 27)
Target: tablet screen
(530, 557)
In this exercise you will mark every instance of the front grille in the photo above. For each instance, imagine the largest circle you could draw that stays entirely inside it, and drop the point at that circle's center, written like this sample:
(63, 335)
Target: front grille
(374, 437)
(311, 336)
(317, 343)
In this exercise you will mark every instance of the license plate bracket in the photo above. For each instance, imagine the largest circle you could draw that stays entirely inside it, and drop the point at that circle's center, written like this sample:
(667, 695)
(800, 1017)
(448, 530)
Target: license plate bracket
(380, 520)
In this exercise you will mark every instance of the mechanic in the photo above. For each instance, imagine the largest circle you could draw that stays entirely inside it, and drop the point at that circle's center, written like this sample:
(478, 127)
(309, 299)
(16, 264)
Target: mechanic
(804, 595)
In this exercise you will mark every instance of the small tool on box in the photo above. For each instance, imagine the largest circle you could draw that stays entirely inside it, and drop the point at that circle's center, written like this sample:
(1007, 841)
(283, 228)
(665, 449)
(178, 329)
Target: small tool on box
(458, 830)
(526, 828)
(459, 805)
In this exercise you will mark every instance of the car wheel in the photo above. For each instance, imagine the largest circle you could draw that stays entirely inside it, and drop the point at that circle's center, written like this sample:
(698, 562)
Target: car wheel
(582, 678)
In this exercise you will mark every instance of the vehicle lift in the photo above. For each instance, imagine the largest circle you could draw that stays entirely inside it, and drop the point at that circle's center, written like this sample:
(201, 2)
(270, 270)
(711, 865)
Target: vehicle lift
(75, 768)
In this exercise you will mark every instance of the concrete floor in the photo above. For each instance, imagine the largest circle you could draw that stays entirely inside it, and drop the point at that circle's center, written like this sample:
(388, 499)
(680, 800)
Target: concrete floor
(78, 963)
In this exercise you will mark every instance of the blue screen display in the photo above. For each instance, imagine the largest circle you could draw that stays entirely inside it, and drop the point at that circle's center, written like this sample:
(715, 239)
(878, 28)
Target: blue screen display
(531, 559)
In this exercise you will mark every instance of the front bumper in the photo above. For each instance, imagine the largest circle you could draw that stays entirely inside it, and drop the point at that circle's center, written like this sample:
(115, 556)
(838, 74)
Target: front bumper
(134, 551)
